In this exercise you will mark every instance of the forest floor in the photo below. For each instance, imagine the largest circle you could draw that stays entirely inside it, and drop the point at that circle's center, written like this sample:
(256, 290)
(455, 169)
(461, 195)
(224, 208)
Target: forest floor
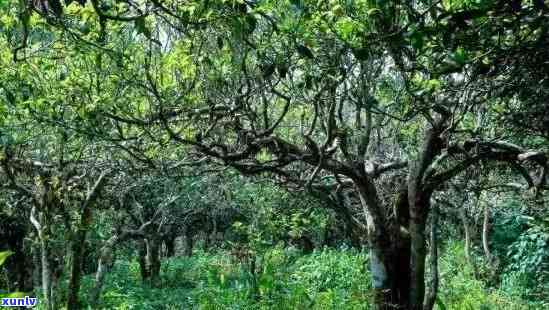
(286, 279)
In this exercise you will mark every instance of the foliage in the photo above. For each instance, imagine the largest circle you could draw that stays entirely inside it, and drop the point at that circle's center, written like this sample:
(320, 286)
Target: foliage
(461, 290)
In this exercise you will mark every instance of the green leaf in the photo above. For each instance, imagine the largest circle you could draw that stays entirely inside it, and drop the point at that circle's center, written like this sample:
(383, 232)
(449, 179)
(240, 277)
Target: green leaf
(4, 255)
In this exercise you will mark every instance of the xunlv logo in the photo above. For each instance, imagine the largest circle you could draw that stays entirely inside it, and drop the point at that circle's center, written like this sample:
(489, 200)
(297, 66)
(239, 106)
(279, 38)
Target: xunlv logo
(19, 302)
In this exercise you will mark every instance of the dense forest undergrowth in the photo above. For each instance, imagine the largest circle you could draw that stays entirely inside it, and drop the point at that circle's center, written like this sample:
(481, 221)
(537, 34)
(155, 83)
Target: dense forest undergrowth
(289, 279)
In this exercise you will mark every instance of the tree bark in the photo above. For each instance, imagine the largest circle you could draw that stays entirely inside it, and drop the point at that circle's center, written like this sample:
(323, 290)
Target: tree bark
(153, 259)
(104, 265)
(467, 233)
(430, 298)
(485, 233)
(77, 250)
(389, 252)
(142, 252)
(76, 269)
(42, 228)
(107, 258)
(46, 275)
(37, 269)
(189, 242)
(417, 261)
(170, 246)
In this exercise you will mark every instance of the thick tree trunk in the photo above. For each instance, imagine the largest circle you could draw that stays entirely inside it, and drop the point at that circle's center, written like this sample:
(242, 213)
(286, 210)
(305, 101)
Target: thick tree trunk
(430, 298)
(418, 238)
(389, 254)
(390, 277)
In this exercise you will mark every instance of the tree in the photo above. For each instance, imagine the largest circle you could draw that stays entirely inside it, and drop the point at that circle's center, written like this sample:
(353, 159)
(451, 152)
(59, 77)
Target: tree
(386, 101)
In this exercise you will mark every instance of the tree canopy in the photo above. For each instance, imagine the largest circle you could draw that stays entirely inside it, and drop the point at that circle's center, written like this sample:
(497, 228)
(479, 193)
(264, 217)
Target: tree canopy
(375, 108)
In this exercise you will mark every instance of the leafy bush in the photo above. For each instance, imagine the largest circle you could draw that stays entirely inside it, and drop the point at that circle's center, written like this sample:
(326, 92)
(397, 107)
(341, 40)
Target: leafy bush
(529, 263)
(459, 289)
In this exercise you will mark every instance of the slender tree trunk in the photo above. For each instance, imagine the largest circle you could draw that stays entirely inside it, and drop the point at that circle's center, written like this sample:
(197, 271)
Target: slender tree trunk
(107, 258)
(485, 233)
(103, 267)
(467, 233)
(37, 269)
(105, 263)
(46, 275)
(492, 260)
(433, 263)
(42, 228)
(78, 244)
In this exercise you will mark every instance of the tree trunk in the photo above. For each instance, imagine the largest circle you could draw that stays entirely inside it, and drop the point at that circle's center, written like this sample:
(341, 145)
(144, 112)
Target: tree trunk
(105, 263)
(142, 252)
(389, 254)
(42, 228)
(430, 298)
(390, 277)
(485, 233)
(188, 243)
(18, 267)
(418, 255)
(77, 250)
(37, 268)
(492, 260)
(46, 275)
(467, 234)
(170, 246)
(107, 258)
(103, 267)
(153, 259)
